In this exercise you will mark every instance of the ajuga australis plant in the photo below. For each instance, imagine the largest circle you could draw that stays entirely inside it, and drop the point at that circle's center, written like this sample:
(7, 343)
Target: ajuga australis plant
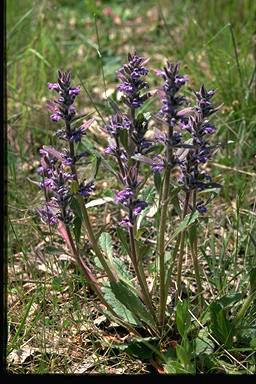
(171, 163)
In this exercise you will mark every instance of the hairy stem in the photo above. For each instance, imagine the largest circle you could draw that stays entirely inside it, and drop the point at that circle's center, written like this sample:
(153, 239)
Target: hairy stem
(194, 251)
(181, 252)
(137, 263)
(169, 272)
(161, 244)
(162, 228)
(140, 273)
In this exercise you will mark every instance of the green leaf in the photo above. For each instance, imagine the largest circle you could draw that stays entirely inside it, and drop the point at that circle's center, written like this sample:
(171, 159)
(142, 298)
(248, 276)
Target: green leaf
(170, 355)
(203, 343)
(57, 284)
(248, 336)
(90, 147)
(175, 200)
(118, 307)
(188, 220)
(74, 186)
(123, 273)
(122, 235)
(174, 367)
(55, 250)
(144, 250)
(75, 206)
(140, 350)
(121, 268)
(92, 8)
(253, 280)
(192, 233)
(221, 327)
(132, 302)
(182, 355)
(231, 298)
(253, 343)
(140, 232)
(106, 244)
(157, 181)
(183, 317)
(77, 223)
(124, 138)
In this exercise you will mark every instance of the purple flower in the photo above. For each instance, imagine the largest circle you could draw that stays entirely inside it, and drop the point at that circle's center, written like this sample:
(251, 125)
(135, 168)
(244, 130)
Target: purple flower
(117, 123)
(158, 164)
(47, 215)
(47, 183)
(200, 206)
(122, 196)
(204, 101)
(86, 190)
(126, 223)
(111, 149)
(138, 206)
(54, 86)
(74, 91)
(66, 216)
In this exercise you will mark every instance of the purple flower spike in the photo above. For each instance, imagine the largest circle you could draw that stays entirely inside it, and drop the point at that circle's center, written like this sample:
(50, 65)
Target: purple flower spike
(172, 84)
(63, 108)
(199, 128)
(132, 83)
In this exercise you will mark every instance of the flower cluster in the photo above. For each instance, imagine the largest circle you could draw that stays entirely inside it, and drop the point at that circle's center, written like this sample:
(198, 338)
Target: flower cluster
(199, 127)
(63, 109)
(168, 93)
(53, 168)
(56, 189)
(170, 115)
(132, 83)
(134, 127)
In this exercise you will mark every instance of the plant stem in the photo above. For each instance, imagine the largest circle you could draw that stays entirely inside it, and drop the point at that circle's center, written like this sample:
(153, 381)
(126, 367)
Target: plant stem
(162, 228)
(196, 268)
(137, 263)
(161, 245)
(119, 158)
(169, 273)
(182, 241)
(194, 251)
(140, 274)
